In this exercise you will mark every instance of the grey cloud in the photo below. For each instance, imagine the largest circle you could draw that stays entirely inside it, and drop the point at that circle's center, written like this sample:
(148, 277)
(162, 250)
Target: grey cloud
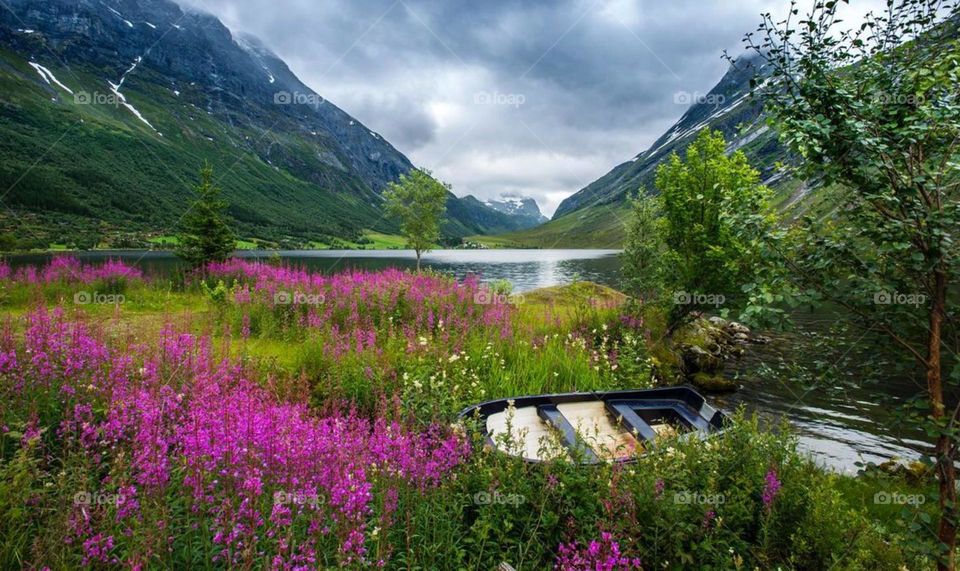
(596, 77)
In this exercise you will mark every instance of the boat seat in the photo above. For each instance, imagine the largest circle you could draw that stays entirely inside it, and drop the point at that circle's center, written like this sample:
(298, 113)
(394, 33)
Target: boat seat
(525, 430)
(651, 419)
(594, 429)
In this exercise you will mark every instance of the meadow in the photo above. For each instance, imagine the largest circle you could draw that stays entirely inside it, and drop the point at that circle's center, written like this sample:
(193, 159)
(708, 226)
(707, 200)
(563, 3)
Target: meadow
(258, 416)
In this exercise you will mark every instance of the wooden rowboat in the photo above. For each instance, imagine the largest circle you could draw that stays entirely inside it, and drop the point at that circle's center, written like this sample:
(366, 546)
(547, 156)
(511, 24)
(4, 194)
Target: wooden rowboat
(597, 426)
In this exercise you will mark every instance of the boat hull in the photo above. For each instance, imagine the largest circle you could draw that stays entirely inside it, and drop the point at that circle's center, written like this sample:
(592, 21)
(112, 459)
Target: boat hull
(595, 426)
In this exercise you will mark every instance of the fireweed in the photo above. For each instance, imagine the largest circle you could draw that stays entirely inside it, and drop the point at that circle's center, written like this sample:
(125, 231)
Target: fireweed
(440, 342)
(72, 270)
(166, 448)
(600, 555)
(358, 307)
(263, 478)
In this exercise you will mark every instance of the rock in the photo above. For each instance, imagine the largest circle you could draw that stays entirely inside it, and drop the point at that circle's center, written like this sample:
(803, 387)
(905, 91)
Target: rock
(892, 467)
(713, 383)
(717, 321)
(915, 472)
(699, 360)
(918, 472)
(706, 344)
(734, 328)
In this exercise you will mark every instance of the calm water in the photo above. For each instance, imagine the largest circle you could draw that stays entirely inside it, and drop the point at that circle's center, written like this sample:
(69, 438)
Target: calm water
(838, 425)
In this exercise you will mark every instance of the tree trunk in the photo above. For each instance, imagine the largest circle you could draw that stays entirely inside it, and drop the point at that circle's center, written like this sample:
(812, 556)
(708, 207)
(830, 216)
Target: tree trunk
(946, 473)
(418, 260)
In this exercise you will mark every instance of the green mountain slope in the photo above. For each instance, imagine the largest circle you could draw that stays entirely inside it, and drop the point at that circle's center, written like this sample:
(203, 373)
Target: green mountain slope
(595, 227)
(109, 108)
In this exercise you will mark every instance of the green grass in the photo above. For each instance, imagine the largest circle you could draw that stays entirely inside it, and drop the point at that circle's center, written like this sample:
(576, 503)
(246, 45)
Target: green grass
(370, 240)
(496, 242)
(379, 241)
(173, 241)
(164, 240)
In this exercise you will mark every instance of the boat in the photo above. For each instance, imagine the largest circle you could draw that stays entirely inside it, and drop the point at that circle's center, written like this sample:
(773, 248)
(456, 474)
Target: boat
(593, 427)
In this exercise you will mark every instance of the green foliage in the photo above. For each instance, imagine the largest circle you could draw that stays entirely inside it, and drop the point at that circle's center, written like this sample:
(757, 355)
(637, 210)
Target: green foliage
(885, 130)
(644, 249)
(702, 240)
(715, 209)
(501, 286)
(875, 111)
(419, 201)
(205, 236)
(696, 504)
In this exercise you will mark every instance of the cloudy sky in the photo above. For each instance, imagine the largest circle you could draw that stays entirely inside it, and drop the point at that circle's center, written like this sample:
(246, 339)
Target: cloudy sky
(520, 97)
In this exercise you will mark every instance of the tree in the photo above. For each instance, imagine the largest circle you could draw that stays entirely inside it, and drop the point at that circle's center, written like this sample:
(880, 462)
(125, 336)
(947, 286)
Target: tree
(419, 201)
(204, 234)
(716, 218)
(643, 249)
(875, 111)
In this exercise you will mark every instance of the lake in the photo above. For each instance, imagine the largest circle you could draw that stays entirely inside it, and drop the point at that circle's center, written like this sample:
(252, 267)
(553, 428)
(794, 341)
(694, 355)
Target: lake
(839, 425)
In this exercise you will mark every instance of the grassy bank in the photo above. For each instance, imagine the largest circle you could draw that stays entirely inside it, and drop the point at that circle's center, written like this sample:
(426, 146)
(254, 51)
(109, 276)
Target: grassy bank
(263, 416)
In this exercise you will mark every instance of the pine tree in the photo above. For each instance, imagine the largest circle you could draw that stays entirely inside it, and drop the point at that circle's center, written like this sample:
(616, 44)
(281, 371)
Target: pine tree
(204, 234)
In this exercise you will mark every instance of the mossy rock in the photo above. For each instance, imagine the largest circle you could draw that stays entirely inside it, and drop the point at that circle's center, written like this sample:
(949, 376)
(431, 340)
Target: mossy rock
(667, 365)
(915, 472)
(919, 473)
(713, 383)
(696, 359)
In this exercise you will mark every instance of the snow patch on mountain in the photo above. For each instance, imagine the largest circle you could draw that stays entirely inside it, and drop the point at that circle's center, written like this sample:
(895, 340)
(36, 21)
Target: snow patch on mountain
(122, 100)
(132, 67)
(48, 76)
(119, 15)
(516, 206)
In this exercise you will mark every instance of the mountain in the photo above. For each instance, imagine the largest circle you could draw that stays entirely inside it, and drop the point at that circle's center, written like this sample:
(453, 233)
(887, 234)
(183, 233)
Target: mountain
(523, 208)
(467, 216)
(109, 108)
(596, 215)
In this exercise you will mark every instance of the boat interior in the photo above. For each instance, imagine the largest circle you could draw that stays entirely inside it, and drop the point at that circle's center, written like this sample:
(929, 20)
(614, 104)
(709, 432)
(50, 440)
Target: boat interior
(593, 428)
